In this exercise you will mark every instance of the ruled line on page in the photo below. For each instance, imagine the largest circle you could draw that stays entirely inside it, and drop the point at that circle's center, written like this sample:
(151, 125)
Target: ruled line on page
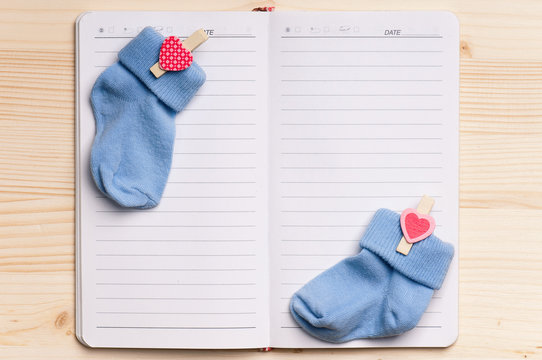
(341, 211)
(356, 167)
(303, 269)
(364, 182)
(215, 124)
(351, 197)
(360, 37)
(359, 109)
(360, 124)
(248, 36)
(361, 153)
(357, 226)
(199, 51)
(231, 80)
(227, 51)
(228, 65)
(224, 109)
(208, 197)
(203, 95)
(361, 80)
(318, 240)
(362, 138)
(196, 197)
(175, 240)
(177, 298)
(215, 153)
(173, 226)
(362, 51)
(215, 167)
(216, 138)
(167, 269)
(175, 255)
(174, 284)
(316, 255)
(428, 326)
(208, 66)
(362, 95)
(179, 211)
(178, 327)
(176, 313)
(291, 283)
(359, 66)
(322, 226)
(211, 182)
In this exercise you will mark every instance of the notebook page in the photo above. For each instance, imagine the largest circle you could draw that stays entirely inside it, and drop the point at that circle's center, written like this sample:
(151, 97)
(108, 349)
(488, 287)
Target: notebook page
(361, 119)
(193, 272)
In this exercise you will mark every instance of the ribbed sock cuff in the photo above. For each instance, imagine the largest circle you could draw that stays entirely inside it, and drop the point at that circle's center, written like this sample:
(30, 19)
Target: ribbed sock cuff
(174, 88)
(428, 260)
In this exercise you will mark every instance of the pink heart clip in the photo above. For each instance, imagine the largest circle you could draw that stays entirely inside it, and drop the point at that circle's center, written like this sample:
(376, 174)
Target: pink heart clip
(416, 226)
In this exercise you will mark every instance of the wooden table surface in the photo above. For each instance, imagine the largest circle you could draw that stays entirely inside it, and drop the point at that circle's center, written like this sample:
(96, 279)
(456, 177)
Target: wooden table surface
(500, 194)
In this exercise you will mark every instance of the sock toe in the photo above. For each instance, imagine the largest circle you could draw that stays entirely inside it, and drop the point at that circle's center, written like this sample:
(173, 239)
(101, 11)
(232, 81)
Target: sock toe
(311, 322)
(302, 309)
(123, 194)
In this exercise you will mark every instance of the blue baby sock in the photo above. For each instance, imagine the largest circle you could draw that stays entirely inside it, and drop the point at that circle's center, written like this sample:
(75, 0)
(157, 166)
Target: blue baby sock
(378, 292)
(135, 122)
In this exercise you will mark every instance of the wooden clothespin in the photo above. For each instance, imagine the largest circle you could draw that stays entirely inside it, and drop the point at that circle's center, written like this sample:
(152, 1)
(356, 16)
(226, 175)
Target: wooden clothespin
(416, 224)
(176, 55)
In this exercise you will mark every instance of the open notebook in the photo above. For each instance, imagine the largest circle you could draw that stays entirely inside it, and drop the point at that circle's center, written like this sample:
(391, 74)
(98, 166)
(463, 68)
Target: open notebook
(307, 124)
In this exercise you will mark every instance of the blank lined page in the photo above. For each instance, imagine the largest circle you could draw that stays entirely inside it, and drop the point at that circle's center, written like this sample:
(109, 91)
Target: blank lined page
(193, 272)
(364, 116)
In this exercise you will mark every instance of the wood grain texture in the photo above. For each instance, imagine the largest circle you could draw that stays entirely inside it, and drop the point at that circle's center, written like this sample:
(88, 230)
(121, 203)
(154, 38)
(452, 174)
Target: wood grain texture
(501, 179)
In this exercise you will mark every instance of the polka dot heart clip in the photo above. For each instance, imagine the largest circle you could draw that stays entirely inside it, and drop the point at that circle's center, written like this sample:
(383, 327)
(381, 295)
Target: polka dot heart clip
(176, 55)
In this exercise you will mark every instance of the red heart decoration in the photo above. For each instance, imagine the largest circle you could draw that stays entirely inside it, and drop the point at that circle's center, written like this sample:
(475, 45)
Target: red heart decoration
(173, 56)
(416, 226)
